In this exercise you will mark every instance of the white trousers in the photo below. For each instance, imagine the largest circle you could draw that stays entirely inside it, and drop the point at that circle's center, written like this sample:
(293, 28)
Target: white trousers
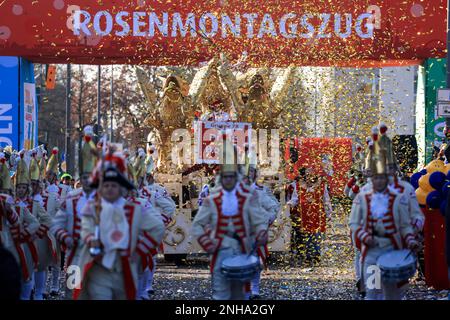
(27, 287)
(142, 283)
(254, 285)
(103, 284)
(376, 288)
(151, 273)
(40, 279)
(223, 288)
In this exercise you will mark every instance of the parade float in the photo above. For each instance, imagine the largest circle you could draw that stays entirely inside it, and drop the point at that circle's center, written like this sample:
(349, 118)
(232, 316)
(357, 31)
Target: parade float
(219, 101)
(245, 106)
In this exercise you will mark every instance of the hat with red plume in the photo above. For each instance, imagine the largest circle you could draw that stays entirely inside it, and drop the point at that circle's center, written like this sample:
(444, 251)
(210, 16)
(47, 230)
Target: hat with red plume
(112, 168)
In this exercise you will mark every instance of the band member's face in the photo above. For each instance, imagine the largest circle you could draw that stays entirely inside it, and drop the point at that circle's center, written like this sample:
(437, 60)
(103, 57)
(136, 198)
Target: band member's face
(22, 190)
(66, 181)
(111, 191)
(246, 180)
(84, 179)
(35, 187)
(229, 181)
(51, 177)
(380, 182)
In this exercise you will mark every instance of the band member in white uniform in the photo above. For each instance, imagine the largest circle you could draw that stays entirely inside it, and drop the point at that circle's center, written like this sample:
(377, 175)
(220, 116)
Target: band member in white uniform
(228, 223)
(110, 227)
(380, 221)
(67, 221)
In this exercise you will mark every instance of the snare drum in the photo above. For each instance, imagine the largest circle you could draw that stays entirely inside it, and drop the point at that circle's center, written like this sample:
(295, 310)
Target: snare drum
(397, 265)
(240, 267)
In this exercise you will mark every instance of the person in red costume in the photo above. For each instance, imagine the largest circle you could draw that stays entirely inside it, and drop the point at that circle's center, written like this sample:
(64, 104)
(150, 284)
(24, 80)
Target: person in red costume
(310, 197)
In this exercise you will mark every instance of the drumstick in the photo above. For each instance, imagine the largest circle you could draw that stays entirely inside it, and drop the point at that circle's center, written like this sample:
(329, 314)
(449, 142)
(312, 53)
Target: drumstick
(407, 256)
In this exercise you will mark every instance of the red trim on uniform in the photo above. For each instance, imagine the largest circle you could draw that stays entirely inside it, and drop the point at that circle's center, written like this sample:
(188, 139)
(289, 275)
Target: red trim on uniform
(150, 238)
(34, 253)
(77, 291)
(150, 263)
(261, 254)
(144, 257)
(130, 287)
(23, 261)
(142, 243)
(241, 200)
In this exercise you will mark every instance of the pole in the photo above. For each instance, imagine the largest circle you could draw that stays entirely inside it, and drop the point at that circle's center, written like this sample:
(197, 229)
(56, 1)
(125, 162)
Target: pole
(80, 119)
(111, 104)
(97, 130)
(67, 149)
(447, 124)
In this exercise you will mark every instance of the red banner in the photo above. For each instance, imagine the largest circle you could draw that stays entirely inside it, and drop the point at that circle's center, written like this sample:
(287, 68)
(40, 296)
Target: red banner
(326, 157)
(187, 32)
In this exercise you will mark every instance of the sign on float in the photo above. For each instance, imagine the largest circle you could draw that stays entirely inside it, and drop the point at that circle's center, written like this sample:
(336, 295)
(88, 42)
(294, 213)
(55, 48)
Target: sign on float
(443, 103)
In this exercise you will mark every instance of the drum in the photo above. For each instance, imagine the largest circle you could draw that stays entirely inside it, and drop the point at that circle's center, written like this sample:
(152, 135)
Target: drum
(397, 265)
(241, 267)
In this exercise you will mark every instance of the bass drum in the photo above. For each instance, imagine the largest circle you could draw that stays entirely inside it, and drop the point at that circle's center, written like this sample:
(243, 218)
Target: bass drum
(397, 265)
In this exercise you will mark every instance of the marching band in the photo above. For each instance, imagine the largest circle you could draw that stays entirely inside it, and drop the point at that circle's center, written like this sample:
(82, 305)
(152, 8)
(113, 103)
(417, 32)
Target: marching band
(111, 227)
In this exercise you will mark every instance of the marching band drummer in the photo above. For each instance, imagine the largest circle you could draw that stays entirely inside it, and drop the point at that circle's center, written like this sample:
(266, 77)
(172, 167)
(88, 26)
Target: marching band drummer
(380, 221)
(227, 223)
(396, 182)
(110, 227)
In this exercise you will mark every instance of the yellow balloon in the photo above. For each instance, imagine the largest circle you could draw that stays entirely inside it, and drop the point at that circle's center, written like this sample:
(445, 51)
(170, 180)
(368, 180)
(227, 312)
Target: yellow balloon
(436, 165)
(424, 183)
(421, 196)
